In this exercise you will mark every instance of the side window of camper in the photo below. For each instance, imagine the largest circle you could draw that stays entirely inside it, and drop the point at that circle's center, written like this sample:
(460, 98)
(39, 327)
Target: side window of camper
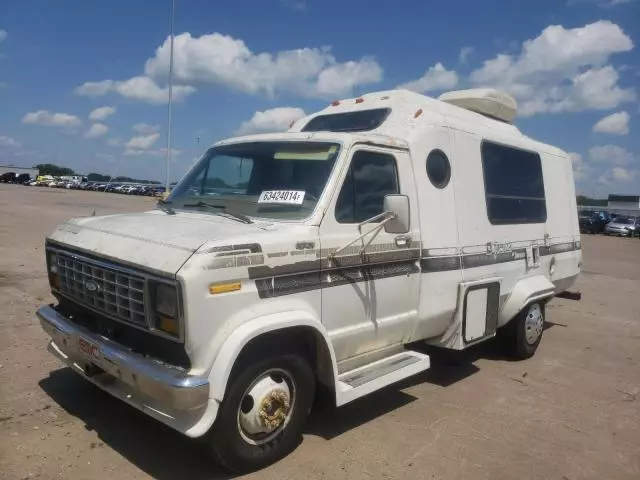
(371, 176)
(514, 186)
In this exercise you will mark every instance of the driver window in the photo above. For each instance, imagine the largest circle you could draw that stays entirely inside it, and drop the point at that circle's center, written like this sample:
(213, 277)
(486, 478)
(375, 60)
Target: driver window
(371, 176)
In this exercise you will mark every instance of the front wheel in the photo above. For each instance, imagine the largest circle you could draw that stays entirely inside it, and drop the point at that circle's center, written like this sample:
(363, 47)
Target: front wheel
(522, 335)
(264, 412)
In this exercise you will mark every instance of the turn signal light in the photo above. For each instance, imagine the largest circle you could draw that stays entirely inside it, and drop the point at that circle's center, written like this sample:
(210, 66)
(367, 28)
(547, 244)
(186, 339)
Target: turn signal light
(168, 325)
(224, 287)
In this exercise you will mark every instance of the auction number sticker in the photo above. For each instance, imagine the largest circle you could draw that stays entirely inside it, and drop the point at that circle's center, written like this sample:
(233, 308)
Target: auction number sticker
(293, 197)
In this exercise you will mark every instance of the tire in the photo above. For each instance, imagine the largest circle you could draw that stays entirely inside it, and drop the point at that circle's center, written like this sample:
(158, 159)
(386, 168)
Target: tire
(522, 335)
(241, 451)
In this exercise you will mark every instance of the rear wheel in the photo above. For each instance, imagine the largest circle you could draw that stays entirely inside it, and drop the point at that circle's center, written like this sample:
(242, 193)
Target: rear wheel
(264, 412)
(523, 334)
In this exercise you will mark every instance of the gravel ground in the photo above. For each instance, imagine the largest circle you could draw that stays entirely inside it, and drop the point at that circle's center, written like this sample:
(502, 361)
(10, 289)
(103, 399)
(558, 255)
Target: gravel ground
(571, 412)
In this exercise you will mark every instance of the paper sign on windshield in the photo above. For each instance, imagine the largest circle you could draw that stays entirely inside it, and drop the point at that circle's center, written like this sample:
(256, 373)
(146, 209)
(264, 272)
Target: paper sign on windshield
(292, 197)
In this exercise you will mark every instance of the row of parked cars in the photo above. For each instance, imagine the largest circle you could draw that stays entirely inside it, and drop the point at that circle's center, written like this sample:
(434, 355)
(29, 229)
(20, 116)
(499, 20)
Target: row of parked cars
(608, 223)
(124, 188)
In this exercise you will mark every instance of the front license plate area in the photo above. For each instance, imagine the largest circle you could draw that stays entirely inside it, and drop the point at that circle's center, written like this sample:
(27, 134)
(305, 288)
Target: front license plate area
(89, 350)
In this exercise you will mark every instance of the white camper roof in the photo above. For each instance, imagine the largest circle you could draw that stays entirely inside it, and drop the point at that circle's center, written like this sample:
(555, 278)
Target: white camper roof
(486, 112)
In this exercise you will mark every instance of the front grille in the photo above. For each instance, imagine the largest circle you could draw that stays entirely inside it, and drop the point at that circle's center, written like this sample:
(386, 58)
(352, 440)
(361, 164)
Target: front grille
(116, 293)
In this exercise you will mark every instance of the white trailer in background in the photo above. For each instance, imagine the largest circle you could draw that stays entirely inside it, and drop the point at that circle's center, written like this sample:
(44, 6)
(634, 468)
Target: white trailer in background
(317, 258)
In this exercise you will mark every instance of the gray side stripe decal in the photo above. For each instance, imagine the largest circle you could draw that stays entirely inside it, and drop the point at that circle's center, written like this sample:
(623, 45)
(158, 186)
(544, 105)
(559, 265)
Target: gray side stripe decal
(314, 274)
(289, 284)
(341, 262)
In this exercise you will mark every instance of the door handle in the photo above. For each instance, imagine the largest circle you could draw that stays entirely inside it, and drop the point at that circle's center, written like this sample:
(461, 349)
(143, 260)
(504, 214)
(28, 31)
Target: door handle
(403, 240)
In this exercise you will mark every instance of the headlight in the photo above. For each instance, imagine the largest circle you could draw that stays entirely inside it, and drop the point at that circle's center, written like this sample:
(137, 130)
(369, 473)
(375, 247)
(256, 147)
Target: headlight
(166, 309)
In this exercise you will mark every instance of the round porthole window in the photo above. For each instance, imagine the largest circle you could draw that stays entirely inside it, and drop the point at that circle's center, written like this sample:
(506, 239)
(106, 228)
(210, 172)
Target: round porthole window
(438, 169)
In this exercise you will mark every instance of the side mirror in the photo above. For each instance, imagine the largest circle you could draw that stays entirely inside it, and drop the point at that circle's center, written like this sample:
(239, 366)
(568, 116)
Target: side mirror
(399, 206)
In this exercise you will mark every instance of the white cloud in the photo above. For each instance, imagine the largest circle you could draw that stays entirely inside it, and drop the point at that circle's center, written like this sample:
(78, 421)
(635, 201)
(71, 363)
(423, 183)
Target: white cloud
(614, 124)
(274, 120)
(142, 142)
(611, 154)
(114, 142)
(465, 53)
(437, 77)
(49, 119)
(3, 35)
(101, 113)
(224, 60)
(157, 152)
(595, 89)
(94, 89)
(96, 130)
(139, 88)
(562, 70)
(9, 142)
(581, 171)
(620, 174)
(147, 90)
(145, 129)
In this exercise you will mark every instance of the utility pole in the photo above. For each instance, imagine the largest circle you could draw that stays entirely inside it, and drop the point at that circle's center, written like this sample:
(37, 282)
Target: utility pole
(169, 120)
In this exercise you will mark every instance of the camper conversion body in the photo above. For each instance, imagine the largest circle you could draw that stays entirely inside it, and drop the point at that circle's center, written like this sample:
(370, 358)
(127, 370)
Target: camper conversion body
(322, 259)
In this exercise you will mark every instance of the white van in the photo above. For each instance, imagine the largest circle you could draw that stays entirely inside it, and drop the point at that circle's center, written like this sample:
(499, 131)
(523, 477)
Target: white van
(316, 259)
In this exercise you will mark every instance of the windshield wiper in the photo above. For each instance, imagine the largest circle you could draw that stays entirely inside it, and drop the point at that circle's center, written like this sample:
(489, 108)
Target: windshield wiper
(236, 216)
(164, 206)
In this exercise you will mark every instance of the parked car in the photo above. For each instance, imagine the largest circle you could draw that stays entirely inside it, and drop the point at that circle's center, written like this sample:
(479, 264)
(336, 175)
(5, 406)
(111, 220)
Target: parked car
(623, 226)
(593, 222)
(23, 178)
(8, 177)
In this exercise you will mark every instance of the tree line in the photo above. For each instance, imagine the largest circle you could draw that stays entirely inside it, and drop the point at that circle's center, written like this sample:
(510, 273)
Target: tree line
(58, 171)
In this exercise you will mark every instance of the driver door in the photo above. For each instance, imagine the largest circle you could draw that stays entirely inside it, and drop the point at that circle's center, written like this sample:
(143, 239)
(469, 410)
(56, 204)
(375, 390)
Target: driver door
(370, 300)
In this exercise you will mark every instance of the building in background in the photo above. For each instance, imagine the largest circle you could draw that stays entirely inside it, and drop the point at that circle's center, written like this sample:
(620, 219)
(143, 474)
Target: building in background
(624, 202)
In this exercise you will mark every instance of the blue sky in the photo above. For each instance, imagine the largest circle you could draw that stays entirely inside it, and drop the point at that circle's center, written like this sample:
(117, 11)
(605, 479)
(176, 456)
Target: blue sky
(83, 84)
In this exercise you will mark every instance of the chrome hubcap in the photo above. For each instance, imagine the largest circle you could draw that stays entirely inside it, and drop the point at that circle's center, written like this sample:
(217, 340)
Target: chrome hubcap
(533, 324)
(266, 406)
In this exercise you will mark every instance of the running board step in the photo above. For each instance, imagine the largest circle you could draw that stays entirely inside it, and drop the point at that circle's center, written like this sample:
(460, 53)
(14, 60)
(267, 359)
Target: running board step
(367, 379)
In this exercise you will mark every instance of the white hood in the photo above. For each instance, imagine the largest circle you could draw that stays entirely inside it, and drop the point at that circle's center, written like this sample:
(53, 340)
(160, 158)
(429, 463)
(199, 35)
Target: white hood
(154, 240)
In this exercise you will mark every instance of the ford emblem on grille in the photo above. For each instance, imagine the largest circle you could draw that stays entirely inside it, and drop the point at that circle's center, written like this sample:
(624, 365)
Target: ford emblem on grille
(91, 286)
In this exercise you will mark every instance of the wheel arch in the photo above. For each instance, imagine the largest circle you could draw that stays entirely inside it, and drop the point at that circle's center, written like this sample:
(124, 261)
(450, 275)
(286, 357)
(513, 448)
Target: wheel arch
(525, 291)
(272, 332)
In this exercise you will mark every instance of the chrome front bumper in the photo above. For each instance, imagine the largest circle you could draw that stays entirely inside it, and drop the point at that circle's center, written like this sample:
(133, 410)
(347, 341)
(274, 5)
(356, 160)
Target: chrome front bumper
(145, 383)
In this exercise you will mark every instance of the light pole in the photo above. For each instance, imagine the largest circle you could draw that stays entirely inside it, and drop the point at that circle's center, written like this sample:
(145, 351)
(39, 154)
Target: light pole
(169, 122)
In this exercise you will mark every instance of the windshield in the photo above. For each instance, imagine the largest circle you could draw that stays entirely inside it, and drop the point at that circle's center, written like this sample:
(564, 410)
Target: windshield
(277, 180)
(623, 220)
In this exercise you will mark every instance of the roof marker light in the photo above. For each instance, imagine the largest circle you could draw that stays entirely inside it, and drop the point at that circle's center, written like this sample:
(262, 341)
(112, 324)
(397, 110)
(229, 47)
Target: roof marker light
(418, 113)
(335, 103)
(359, 100)
(291, 124)
(386, 97)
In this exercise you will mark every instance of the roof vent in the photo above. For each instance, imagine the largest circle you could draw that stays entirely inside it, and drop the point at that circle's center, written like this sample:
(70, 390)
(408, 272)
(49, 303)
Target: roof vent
(486, 101)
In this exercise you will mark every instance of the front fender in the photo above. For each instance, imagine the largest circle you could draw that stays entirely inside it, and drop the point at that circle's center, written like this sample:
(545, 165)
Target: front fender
(525, 291)
(243, 334)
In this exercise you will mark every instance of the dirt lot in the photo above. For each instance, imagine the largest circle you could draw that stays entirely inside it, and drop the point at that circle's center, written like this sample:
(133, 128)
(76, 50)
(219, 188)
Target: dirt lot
(572, 412)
